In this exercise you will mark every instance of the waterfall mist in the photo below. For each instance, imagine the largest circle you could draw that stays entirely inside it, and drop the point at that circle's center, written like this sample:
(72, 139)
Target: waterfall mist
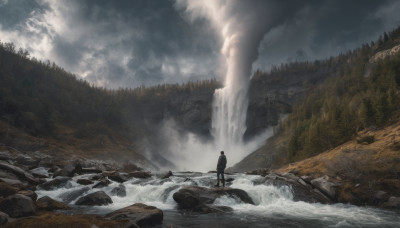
(241, 26)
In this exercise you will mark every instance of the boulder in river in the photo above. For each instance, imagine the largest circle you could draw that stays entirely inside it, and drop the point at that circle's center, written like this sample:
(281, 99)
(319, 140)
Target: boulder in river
(301, 190)
(3, 218)
(95, 199)
(190, 197)
(208, 208)
(57, 182)
(72, 195)
(48, 204)
(20, 173)
(17, 206)
(31, 194)
(26, 160)
(71, 168)
(393, 203)
(91, 170)
(118, 177)
(326, 185)
(119, 191)
(139, 214)
(102, 183)
(167, 175)
(40, 172)
(5, 155)
(139, 174)
(381, 196)
(84, 181)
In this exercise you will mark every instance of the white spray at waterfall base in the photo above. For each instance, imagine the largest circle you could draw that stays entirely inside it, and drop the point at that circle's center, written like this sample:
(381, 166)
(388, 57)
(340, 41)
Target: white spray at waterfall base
(241, 26)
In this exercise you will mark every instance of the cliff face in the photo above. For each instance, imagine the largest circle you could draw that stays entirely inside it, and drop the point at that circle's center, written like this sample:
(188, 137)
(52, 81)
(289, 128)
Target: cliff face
(270, 97)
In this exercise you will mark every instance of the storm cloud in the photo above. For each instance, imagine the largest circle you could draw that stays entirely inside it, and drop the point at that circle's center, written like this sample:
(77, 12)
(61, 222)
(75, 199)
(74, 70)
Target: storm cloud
(125, 43)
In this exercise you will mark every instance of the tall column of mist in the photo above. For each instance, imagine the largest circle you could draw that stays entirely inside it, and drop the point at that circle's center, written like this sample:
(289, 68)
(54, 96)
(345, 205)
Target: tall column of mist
(240, 25)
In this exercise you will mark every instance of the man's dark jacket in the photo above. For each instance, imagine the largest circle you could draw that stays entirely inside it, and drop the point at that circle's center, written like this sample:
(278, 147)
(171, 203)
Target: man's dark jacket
(221, 162)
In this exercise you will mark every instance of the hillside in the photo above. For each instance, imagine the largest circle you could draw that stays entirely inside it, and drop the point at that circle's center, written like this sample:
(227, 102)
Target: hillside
(42, 100)
(363, 166)
(362, 93)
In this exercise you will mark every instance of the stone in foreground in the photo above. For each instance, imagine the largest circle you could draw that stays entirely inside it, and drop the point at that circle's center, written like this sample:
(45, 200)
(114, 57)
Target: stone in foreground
(17, 206)
(48, 204)
(95, 199)
(139, 214)
(198, 198)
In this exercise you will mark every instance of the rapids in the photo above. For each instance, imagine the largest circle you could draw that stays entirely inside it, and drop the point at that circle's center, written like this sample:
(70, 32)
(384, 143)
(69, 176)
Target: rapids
(273, 207)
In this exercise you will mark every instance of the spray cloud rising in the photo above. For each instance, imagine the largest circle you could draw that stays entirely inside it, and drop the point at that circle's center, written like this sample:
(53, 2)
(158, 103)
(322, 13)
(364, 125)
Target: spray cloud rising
(241, 26)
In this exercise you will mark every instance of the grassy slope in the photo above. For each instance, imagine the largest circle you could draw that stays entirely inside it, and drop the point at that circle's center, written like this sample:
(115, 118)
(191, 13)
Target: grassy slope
(64, 145)
(362, 168)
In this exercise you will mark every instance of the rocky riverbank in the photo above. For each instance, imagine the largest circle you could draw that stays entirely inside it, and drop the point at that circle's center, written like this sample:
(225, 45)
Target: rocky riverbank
(21, 175)
(37, 189)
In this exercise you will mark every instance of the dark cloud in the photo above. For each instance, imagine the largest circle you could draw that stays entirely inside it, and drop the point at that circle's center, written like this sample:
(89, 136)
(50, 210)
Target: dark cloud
(127, 43)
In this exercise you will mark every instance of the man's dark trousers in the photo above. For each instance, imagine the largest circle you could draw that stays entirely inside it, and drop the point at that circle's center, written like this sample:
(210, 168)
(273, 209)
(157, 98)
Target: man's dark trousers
(220, 172)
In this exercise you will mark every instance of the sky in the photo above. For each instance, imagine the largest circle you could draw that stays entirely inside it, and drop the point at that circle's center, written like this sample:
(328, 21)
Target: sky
(130, 43)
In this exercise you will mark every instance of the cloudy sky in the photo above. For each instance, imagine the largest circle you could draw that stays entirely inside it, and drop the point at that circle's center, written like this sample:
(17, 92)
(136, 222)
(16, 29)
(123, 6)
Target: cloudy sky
(128, 43)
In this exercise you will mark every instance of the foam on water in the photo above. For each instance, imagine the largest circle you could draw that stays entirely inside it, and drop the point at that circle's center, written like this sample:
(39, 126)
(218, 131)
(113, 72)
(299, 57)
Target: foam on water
(270, 202)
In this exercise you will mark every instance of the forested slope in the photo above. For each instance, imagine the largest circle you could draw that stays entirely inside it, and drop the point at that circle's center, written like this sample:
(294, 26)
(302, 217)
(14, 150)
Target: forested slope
(362, 93)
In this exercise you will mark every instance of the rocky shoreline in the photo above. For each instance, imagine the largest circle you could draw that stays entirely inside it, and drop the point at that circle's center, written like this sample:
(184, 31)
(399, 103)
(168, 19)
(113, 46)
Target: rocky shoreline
(22, 174)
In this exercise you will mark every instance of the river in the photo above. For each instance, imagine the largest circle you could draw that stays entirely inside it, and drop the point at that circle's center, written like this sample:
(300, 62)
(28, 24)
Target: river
(273, 207)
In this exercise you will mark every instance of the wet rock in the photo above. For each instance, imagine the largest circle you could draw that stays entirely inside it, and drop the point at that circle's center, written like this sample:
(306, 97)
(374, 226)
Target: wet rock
(91, 170)
(139, 214)
(102, 183)
(7, 189)
(3, 218)
(261, 172)
(26, 160)
(17, 206)
(301, 190)
(190, 197)
(167, 175)
(139, 174)
(393, 203)
(72, 195)
(96, 177)
(97, 198)
(207, 208)
(40, 172)
(31, 194)
(19, 172)
(167, 192)
(10, 181)
(326, 185)
(230, 179)
(192, 182)
(48, 204)
(71, 168)
(9, 175)
(57, 172)
(5, 155)
(57, 182)
(84, 181)
(117, 177)
(381, 196)
(119, 191)
(307, 179)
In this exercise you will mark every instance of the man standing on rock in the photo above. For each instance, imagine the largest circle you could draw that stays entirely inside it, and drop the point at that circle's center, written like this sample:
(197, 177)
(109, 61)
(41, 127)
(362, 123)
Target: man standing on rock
(220, 169)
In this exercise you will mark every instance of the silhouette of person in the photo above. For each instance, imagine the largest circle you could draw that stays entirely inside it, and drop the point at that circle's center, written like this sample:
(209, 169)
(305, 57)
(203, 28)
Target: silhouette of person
(220, 169)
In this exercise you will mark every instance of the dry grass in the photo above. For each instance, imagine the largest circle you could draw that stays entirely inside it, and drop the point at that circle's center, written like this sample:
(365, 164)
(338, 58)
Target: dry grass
(370, 167)
(53, 220)
(65, 145)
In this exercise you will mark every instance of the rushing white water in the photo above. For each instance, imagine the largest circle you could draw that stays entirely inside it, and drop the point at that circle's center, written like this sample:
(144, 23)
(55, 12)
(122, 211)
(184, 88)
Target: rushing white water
(273, 205)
